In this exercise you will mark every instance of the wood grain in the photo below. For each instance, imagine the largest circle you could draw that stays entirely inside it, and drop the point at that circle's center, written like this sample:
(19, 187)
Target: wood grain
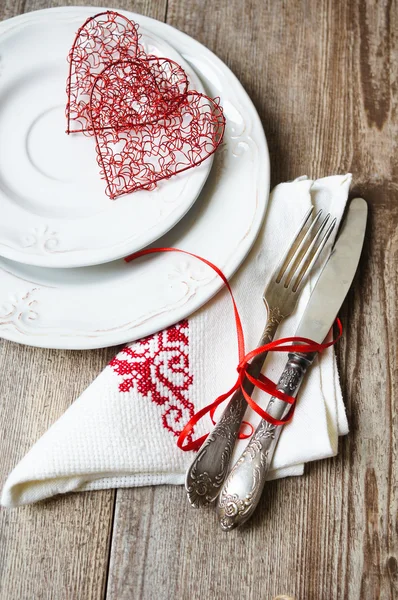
(323, 76)
(50, 548)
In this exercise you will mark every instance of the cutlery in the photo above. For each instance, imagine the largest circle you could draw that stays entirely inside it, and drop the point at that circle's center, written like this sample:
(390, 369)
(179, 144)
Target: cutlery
(210, 467)
(244, 485)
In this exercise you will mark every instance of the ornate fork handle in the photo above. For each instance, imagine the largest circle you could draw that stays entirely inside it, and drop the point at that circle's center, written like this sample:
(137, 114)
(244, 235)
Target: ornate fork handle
(245, 483)
(210, 467)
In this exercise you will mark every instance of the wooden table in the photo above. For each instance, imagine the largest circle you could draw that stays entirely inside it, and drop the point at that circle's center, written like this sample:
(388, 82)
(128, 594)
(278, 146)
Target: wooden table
(323, 76)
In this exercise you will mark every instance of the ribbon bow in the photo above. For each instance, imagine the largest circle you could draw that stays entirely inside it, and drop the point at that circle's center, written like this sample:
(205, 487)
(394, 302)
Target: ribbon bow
(288, 344)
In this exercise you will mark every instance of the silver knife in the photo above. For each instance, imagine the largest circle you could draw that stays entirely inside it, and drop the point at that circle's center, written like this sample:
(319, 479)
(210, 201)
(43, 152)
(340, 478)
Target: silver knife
(244, 485)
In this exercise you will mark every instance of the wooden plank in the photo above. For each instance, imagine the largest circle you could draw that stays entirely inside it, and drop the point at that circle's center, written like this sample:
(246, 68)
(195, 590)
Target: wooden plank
(10, 9)
(152, 8)
(319, 73)
(57, 549)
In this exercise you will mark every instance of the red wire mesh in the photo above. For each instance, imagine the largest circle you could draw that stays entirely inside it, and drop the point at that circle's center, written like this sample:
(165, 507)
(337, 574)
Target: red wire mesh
(146, 123)
(134, 159)
(102, 39)
(136, 92)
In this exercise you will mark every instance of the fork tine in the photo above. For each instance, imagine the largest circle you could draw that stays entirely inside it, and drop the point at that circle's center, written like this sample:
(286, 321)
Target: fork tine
(304, 246)
(312, 256)
(291, 251)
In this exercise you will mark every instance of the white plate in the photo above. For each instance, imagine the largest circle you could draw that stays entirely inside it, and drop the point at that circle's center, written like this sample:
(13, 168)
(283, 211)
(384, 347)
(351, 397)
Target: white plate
(118, 302)
(52, 200)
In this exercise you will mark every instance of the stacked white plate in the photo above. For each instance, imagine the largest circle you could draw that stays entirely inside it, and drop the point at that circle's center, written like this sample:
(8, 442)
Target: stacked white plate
(63, 280)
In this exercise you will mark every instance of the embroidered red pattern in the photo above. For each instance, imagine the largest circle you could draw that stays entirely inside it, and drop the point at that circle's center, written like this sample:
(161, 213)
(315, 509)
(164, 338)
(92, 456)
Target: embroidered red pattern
(158, 368)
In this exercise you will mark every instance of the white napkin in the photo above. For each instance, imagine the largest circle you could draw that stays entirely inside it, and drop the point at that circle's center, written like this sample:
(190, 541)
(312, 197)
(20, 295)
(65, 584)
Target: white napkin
(122, 430)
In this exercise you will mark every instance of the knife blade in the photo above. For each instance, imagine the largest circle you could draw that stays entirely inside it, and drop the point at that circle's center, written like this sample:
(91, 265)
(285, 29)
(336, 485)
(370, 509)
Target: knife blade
(243, 487)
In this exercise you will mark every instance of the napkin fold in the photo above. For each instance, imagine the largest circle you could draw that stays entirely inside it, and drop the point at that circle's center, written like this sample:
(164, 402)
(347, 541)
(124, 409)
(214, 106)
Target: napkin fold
(122, 431)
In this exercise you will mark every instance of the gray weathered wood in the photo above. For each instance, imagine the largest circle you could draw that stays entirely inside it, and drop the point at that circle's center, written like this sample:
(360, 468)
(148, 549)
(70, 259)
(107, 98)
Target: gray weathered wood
(58, 549)
(323, 76)
(319, 74)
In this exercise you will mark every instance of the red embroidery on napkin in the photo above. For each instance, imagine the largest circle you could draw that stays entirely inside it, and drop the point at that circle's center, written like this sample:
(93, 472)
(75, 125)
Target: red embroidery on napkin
(158, 367)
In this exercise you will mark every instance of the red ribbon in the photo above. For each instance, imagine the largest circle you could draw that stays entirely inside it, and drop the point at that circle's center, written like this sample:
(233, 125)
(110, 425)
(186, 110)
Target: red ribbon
(289, 344)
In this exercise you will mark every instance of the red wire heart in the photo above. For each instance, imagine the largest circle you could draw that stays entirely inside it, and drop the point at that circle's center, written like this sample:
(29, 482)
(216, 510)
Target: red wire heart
(137, 92)
(147, 126)
(132, 159)
(105, 38)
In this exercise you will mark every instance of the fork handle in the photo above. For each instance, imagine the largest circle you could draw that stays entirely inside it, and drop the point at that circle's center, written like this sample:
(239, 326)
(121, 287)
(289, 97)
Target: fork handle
(210, 466)
(245, 483)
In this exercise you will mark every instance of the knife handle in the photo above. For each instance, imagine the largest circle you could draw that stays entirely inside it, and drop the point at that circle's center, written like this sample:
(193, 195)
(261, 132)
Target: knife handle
(244, 485)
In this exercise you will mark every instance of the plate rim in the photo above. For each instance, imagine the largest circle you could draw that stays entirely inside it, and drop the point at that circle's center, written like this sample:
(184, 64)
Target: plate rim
(76, 258)
(232, 262)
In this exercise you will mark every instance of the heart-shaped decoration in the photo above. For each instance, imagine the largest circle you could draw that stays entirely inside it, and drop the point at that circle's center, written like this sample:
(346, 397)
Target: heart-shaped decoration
(136, 92)
(139, 157)
(103, 39)
(147, 126)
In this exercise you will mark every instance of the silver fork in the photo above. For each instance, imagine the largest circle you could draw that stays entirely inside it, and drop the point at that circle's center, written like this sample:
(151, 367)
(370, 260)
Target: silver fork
(210, 467)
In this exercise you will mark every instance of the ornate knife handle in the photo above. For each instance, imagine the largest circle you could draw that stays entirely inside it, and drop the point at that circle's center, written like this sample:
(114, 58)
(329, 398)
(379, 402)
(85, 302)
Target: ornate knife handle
(210, 467)
(245, 483)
